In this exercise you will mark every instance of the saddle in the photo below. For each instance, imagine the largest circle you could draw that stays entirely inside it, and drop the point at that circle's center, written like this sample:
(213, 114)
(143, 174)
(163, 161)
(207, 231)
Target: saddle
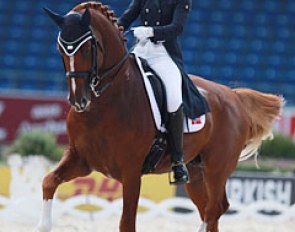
(157, 87)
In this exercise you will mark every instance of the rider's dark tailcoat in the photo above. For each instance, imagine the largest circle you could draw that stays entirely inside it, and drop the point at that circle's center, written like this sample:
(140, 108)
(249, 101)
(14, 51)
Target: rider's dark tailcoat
(168, 18)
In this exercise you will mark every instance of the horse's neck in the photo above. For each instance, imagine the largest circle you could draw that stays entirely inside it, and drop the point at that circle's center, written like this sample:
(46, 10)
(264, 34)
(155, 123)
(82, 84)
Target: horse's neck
(127, 94)
(114, 52)
(111, 40)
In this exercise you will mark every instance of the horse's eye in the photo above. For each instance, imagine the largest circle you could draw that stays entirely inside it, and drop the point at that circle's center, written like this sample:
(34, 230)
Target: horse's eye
(86, 50)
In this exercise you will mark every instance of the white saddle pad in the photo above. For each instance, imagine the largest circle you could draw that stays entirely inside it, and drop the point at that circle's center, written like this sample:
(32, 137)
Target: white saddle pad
(190, 125)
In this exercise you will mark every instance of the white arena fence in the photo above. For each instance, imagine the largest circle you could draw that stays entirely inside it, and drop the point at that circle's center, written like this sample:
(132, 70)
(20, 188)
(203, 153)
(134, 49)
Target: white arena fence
(24, 204)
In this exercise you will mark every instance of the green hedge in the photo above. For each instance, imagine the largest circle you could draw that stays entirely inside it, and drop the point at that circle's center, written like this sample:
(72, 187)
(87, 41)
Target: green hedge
(36, 143)
(274, 155)
(279, 147)
(251, 167)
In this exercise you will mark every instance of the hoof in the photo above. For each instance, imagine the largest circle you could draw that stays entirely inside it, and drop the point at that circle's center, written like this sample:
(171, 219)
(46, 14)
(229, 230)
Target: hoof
(43, 228)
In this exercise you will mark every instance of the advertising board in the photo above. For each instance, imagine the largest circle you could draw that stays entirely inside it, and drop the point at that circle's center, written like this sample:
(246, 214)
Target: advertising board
(249, 187)
(154, 187)
(24, 113)
(19, 114)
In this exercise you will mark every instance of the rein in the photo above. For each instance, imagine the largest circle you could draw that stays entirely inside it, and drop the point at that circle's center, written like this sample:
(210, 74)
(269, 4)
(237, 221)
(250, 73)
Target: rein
(97, 79)
(93, 76)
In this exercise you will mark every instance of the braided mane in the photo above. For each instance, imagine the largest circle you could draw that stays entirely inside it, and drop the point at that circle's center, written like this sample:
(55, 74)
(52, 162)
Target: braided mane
(104, 9)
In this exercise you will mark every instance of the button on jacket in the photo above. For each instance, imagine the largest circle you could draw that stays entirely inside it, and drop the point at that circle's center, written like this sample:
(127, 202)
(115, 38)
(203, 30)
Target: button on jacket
(167, 17)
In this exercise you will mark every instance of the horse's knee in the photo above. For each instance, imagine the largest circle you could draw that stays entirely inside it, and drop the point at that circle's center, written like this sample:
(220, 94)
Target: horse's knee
(49, 185)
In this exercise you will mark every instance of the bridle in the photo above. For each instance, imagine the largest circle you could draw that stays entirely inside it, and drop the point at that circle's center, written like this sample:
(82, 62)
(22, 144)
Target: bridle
(70, 48)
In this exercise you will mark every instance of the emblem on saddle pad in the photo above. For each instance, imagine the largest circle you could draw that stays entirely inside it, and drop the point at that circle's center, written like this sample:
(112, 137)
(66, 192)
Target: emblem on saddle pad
(194, 125)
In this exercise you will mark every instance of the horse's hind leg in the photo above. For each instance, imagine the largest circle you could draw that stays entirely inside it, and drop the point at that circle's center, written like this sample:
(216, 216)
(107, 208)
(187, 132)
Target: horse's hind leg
(196, 188)
(215, 208)
(207, 185)
(70, 167)
(209, 197)
(216, 172)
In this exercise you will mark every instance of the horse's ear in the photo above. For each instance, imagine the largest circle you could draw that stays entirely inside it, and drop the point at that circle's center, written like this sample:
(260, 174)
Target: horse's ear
(86, 17)
(58, 19)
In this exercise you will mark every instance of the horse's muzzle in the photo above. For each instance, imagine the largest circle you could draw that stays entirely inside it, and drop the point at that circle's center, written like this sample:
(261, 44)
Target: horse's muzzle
(81, 105)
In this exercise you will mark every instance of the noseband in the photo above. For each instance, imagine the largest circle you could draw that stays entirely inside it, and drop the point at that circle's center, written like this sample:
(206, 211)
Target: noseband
(70, 48)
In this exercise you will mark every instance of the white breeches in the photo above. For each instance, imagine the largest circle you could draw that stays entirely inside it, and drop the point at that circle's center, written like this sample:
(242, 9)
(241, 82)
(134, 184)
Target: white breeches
(160, 61)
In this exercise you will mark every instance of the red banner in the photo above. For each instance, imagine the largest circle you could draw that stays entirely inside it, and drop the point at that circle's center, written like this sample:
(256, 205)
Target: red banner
(18, 114)
(286, 124)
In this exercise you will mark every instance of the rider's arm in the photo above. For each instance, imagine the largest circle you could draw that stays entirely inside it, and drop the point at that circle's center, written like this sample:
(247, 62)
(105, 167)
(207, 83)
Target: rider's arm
(130, 14)
(171, 31)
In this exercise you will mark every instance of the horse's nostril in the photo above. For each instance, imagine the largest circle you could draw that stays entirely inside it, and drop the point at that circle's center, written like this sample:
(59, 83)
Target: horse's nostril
(83, 102)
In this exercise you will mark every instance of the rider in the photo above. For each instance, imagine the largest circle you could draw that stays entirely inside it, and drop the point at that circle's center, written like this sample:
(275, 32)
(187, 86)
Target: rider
(162, 23)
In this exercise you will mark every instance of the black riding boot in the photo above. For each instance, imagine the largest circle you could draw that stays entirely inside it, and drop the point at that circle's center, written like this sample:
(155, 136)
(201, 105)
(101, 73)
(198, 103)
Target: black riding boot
(175, 140)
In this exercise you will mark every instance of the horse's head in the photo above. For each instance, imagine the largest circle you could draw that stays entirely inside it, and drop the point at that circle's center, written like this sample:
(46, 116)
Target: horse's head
(78, 47)
(92, 48)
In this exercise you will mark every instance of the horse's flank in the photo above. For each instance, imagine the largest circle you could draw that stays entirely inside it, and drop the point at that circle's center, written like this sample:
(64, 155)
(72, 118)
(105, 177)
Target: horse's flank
(260, 109)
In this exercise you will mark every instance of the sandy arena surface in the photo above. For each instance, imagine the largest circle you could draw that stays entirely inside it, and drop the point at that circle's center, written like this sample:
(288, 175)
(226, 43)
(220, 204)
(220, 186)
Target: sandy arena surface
(161, 224)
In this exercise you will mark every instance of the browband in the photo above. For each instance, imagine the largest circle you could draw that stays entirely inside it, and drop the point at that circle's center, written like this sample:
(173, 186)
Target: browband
(70, 48)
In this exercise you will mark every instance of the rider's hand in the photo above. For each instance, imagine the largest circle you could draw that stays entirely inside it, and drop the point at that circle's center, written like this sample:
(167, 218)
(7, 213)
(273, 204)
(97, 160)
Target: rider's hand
(142, 33)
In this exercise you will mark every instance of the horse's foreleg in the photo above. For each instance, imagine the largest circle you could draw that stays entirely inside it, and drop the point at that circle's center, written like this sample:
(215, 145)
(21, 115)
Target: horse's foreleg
(70, 167)
(131, 190)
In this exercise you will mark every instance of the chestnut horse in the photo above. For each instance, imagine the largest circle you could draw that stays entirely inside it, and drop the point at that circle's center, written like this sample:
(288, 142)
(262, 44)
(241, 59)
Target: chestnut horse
(111, 128)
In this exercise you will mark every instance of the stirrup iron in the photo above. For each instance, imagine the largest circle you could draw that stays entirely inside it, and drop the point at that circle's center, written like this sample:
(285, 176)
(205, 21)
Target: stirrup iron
(183, 179)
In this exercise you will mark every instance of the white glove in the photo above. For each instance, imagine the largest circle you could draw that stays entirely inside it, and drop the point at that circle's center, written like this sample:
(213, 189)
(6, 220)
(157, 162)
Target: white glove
(143, 33)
